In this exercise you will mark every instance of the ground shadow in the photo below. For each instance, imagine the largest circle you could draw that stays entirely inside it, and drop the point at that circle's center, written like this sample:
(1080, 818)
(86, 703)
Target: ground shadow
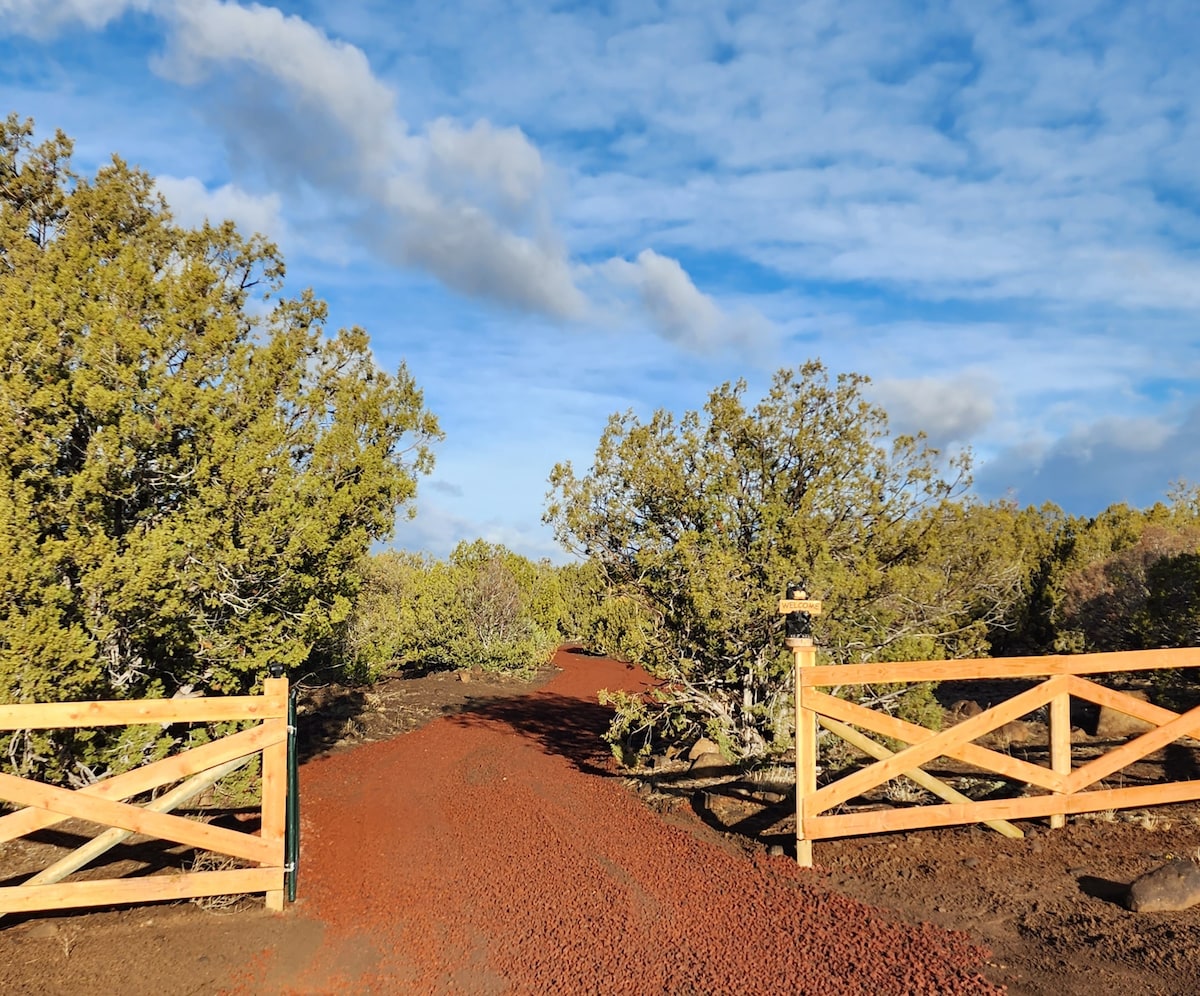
(1104, 889)
(754, 826)
(560, 724)
(326, 712)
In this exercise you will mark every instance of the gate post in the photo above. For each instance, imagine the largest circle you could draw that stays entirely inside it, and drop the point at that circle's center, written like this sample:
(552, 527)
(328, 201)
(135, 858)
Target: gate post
(798, 610)
(1060, 745)
(275, 785)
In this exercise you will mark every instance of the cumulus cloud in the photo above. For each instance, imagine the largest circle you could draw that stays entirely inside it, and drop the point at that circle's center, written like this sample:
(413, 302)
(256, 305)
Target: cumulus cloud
(465, 204)
(321, 72)
(947, 410)
(498, 164)
(680, 311)
(192, 203)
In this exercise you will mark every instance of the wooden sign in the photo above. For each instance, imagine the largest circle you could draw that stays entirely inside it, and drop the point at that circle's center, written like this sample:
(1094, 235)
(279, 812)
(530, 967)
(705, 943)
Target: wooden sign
(809, 605)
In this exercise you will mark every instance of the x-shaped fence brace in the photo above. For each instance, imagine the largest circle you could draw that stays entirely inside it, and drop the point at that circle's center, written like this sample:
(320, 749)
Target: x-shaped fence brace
(105, 802)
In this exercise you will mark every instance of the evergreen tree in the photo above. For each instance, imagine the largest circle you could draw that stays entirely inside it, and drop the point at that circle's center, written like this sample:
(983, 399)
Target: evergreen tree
(703, 522)
(191, 467)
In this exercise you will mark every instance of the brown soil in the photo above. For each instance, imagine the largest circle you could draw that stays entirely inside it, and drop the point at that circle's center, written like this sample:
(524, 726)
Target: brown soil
(496, 850)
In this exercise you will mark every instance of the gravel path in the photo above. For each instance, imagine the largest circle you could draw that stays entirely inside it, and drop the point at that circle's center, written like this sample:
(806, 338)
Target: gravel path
(494, 852)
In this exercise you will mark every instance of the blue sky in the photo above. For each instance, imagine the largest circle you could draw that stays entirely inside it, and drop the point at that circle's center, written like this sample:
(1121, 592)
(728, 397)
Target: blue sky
(555, 211)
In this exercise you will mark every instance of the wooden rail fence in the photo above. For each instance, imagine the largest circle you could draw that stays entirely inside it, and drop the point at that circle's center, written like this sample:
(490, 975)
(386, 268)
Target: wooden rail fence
(1065, 787)
(106, 802)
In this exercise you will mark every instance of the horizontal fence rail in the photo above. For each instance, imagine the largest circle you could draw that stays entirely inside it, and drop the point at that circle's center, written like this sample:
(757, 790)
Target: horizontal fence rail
(1055, 790)
(107, 802)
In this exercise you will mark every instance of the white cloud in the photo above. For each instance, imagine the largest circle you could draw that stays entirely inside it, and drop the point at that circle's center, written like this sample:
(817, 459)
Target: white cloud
(679, 311)
(1112, 459)
(323, 72)
(192, 203)
(42, 18)
(437, 530)
(1116, 432)
(947, 410)
(464, 204)
(499, 160)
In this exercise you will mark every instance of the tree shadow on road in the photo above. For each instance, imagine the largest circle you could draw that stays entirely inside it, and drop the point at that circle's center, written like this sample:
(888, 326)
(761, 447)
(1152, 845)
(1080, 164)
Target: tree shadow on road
(560, 724)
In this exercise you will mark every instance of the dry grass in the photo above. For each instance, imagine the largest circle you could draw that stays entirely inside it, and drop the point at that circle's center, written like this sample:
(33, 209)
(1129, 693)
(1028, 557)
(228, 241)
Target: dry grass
(207, 861)
(1144, 818)
(905, 790)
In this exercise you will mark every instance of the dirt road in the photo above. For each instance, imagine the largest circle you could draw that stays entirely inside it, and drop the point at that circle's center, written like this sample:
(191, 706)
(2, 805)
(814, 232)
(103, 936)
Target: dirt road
(495, 851)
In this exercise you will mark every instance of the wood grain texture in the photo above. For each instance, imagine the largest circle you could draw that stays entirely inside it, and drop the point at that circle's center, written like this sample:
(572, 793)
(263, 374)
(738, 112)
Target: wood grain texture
(61, 715)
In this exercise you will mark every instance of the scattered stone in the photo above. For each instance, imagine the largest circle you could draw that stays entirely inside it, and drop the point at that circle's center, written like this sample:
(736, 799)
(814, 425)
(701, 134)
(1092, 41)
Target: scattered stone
(1016, 732)
(702, 746)
(970, 862)
(1174, 886)
(708, 761)
(1114, 724)
(964, 709)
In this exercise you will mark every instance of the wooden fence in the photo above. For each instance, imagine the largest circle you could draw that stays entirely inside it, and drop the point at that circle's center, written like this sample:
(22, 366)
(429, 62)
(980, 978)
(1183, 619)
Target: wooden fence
(105, 802)
(1065, 788)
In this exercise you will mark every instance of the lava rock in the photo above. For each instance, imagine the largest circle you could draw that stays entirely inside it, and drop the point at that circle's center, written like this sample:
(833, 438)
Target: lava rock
(1014, 733)
(1116, 724)
(709, 760)
(964, 709)
(1174, 886)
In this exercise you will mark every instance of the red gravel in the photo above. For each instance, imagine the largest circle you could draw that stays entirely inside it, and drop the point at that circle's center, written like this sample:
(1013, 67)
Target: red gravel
(495, 852)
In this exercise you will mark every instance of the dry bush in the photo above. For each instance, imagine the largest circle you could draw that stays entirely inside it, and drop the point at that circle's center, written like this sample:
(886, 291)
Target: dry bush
(207, 861)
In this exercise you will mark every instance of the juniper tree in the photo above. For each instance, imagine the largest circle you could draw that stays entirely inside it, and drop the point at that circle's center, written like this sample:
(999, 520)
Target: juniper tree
(191, 465)
(703, 521)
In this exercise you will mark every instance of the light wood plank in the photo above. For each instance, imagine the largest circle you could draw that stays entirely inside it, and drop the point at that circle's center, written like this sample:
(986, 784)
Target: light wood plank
(106, 841)
(136, 819)
(917, 755)
(274, 790)
(1029, 807)
(1134, 750)
(804, 654)
(890, 726)
(921, 777)
(168, 770)
(113, 892)
(998, 667)
(1090, 691)
(1060, 744)
(57, 715)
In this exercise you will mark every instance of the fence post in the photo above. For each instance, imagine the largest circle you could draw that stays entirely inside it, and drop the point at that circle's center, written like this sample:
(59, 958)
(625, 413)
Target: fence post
(292, 850)
(1060, 745)
(275, 785)
(798, 611)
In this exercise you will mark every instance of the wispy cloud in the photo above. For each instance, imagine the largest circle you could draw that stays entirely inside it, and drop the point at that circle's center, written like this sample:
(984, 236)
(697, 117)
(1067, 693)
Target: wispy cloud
(1112, 459)
(42, 18)
(992, 209)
